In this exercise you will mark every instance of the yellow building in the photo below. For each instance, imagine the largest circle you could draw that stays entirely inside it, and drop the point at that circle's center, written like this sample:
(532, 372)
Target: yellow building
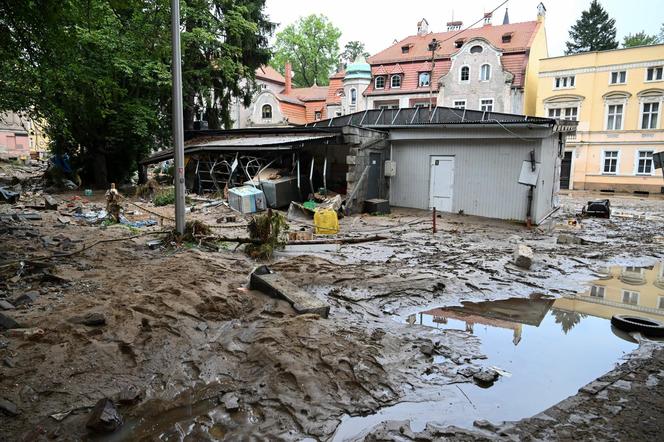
(617, 97)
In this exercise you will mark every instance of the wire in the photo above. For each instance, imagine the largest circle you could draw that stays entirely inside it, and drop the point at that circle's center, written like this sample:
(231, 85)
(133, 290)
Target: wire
(470, 26)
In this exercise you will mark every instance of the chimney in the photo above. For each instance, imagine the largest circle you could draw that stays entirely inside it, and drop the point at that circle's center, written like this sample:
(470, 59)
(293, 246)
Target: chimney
(288, 74)
(454, 25)
(422, 27)
(487, 19)
(541, 12)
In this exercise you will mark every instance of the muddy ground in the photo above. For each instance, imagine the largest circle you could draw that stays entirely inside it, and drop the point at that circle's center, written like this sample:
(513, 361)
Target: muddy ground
(213, 360)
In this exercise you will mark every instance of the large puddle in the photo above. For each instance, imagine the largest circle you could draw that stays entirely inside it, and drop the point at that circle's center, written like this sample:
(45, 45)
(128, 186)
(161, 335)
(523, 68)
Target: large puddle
(547, 349)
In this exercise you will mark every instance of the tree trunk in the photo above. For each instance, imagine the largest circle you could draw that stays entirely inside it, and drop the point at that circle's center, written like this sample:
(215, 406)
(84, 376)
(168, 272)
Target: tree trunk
(100, 170)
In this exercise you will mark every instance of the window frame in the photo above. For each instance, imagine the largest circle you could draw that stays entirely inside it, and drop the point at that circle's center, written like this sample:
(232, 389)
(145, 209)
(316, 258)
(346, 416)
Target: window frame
(392, 77)
(567, 78)
(353, 96)
(419, 79)
(461, 80)
(564, 110)
(607, 108)
(631, 293)
(637, 160)
(611, 83)
(493, 102)
(382, 77)
(603, 163)
(654, 69)
(263, 108)
(455, 105)
(318, 115)
(489, 72)
(642, 114)
(597, 289)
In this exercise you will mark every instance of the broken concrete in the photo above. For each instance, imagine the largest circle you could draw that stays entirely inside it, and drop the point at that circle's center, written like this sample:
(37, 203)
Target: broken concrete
(104, 417)
(9, 408)
(5, 305)
(50, 203)
(7, 323)
(523, 256)
(92, 319)
(27, 298)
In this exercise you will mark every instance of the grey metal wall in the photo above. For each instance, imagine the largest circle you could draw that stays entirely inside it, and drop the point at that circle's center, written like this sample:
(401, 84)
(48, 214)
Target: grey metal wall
(486, 173)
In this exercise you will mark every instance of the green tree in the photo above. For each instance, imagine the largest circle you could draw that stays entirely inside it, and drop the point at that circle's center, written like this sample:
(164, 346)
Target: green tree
(594, 31)
(98, 72)
(311, 45)
(352, 50)
(639, 39)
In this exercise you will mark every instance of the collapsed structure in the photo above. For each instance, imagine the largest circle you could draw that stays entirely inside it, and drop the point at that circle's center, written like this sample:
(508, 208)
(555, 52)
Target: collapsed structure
(488, 164)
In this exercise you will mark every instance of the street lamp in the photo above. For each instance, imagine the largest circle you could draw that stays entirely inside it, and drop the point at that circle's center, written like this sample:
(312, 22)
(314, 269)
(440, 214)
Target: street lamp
(178, 125)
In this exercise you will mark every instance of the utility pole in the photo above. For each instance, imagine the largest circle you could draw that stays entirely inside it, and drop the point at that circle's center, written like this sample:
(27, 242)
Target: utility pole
(433, 46)
(178, 125)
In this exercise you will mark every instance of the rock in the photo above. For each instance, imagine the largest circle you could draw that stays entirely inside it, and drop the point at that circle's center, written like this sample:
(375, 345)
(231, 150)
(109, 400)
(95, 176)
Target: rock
(8, 408)
(92, 319)
(104, 417)
(485, 377)
(8, 362)
(570, 239)
(523, 256)
(484, 424)
(427, 349)
(230, 401)
(50, 203)
(7, 323)
(130, 394)
(467, 371)
(27, 298)
(5, 305)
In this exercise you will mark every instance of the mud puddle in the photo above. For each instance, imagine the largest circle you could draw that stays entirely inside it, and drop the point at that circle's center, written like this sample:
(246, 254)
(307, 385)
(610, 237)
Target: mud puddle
(543, 350)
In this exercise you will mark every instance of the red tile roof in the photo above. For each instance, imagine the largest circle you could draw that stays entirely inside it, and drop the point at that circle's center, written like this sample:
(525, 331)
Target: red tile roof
(522, 34)
(268, 73)
(410, 79)
(313, 93)
(336, 83)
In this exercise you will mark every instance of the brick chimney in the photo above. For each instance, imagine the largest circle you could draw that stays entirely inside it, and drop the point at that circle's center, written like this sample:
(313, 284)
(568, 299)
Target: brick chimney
(454, 25)
(487, 19)
(288, 74)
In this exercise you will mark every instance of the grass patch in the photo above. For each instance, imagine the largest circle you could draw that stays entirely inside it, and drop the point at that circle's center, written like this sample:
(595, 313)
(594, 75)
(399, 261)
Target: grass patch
(164, 197)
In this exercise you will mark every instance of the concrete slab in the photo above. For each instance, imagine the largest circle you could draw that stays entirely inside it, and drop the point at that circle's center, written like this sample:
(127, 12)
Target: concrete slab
(277, 286)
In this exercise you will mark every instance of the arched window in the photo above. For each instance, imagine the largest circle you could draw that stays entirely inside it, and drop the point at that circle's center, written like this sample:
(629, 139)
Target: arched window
(353, 96)
(267, 112)
(477, 49)
(380, 82)
(465, 73)
(485, 72)
(395, 81)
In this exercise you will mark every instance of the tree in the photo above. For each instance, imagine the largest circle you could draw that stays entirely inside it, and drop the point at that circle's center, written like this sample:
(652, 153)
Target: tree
(639, 39)
(594, 31)
(311, 45)
(352, 50)
(98, 72)
(567, 320)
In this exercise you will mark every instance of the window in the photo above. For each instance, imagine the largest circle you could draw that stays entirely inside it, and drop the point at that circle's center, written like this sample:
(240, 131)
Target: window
(458, 43)
(618, 77)
(649, 115)
(485, 72)
(459, 104)
(380, 82)
(614, 117)
(597, 291)
(630, 297)
(564, 113)
(353, 96)
(318, 115)
(644, 162)
(421, 104)
(507, 37)
(486, 104)
(610, 161)
(465, 73)
(395, 81)
(564, 82)
(477, 49)
(424, 79)
(660, 302)
(405, 49)
(337, 114)
(655, 73)
(266, 112)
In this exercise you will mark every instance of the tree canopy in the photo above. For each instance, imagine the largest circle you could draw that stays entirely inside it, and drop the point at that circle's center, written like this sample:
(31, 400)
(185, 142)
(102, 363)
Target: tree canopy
(594, 31)
(639, 39)
(98, 72)
(352, 50)
(311, 45)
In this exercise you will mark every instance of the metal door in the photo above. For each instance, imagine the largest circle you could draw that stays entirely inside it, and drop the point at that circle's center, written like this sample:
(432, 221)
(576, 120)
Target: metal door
(565, 170)
(373, 184)
(441, 183)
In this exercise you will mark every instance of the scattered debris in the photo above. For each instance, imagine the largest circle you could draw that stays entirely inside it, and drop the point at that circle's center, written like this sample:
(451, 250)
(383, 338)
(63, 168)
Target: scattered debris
(7, 323)
(129, 395)
(269, 230)
(231, 401)
(27, 298)
(523, 256)
(9, 196)
(571, 239)
(6, 305)
(485, 377)
(113, 206)
(9, 408)
(50, 203)
(598, 209)
(104, 417)
(93, 319)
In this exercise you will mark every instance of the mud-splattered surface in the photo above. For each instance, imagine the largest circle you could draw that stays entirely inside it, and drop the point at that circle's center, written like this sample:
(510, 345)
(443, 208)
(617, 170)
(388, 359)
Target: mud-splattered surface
(213, 360)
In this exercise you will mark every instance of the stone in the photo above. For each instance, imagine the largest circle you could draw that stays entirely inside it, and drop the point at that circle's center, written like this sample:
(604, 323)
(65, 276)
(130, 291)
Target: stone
(27, 298)
(104, 417)
(523, 256)
(92, 319)
(231, 401)
(570, 239)
(7, 323)
(6, 305)
(8, 362)
(130, 394)
(485, 377)
(50, 203)
(9, 408)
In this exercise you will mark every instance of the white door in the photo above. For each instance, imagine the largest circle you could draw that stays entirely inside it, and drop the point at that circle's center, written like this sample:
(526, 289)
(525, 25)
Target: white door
(441, 183)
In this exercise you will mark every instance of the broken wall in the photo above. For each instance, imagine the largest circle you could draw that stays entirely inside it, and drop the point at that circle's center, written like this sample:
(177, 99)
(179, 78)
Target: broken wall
(362, 143)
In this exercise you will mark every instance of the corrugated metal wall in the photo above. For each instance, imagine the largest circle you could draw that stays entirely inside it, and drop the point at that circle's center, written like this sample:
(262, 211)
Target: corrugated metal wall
(486, 175)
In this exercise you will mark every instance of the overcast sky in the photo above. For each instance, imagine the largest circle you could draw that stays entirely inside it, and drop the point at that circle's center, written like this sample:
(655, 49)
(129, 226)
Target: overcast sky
(378, 23)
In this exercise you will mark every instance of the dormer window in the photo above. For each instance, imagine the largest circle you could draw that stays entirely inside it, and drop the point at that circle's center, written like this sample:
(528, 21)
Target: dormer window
(405, 49)
(424, 79)
(379, 83)
(458, 43)
(395, 81)
(507, 37)
(477, 49)
(318, 115)
(266, 112)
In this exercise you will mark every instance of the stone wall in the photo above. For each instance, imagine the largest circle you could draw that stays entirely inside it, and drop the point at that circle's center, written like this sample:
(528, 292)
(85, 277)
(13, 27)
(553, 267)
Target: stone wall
(363, 142)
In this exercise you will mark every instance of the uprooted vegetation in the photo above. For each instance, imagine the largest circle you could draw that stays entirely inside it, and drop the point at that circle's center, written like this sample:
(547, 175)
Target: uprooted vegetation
(270, 230)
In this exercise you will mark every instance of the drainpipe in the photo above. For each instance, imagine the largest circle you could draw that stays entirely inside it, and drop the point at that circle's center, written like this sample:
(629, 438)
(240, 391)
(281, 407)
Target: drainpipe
(533, 167)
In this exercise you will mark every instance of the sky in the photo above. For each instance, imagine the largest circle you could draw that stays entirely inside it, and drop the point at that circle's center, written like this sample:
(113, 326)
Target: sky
(378, 23)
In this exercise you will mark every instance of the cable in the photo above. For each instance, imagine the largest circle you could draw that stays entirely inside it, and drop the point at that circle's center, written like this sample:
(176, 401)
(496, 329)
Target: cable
(470, 26)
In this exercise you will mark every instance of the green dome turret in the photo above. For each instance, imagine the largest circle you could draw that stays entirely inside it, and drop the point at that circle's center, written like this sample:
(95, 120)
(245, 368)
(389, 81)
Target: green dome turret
(359, 69)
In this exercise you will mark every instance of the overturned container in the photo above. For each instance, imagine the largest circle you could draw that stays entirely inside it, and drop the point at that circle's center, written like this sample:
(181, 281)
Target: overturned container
(246, 199)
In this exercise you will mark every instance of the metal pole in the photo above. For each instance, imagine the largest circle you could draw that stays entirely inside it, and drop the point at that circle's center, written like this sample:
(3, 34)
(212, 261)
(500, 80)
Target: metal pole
(178, 127)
